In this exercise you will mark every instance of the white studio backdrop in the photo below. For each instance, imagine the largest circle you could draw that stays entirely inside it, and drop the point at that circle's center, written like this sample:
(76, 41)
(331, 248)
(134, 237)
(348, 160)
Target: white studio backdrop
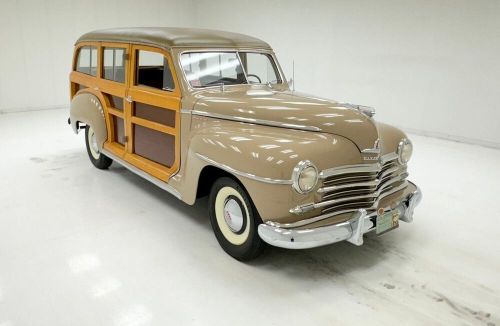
(37, 38)
(431, 67)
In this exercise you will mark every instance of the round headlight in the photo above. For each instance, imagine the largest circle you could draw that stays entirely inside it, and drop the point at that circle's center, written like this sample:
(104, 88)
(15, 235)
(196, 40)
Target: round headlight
(304, 177)
(405, 149)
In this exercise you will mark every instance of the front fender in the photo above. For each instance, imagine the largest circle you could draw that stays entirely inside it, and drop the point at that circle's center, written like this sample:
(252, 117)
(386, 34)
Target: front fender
(87, 108)
(390, 137)
(264, 152)
(268, 152)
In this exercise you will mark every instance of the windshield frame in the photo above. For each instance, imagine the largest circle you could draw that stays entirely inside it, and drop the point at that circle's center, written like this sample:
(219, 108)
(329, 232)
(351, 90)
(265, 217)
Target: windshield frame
(269, 53)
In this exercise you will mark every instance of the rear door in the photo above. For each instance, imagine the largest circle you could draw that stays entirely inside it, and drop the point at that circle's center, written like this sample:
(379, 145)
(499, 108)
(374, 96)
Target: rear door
(113, 84)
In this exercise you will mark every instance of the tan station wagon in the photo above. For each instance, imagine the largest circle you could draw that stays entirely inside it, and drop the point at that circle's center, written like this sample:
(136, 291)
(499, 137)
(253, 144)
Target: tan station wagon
(201, 112)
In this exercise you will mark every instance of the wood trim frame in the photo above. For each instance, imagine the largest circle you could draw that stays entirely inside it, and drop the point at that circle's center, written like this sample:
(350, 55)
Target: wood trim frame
(167, 100)
(175, 92)
(77, 77)
(153, 125)
(118, 89)
(99, 86)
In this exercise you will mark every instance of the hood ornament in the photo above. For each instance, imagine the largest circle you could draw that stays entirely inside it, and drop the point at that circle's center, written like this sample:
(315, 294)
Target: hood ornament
(366, 110)
(372, 154)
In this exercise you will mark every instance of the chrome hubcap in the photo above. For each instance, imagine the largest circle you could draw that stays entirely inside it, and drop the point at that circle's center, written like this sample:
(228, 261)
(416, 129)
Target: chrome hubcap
(233, 215)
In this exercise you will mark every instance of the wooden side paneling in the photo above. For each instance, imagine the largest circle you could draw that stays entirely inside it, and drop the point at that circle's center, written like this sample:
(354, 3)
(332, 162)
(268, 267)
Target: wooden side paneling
(155, 122)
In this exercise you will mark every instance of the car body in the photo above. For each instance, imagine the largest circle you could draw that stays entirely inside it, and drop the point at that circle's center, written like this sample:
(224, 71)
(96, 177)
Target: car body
(200, 111)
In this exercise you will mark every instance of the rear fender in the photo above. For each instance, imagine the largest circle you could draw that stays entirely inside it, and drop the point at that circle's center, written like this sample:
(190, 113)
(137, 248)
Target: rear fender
(86, 108)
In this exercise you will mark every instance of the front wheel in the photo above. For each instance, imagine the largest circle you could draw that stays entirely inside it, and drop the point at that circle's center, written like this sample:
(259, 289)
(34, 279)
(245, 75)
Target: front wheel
(234, 220)
(99, 160)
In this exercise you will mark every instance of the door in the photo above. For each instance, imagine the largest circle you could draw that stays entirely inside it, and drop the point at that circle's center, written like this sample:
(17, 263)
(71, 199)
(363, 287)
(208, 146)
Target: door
(152, 113)
(113, 83)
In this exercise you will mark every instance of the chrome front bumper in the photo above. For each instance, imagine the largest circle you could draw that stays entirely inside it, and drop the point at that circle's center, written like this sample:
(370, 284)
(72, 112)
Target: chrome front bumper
(351, 230)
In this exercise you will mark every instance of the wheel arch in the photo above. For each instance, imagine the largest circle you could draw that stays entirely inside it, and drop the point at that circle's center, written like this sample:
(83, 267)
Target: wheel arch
(87, 108)
(209, 174)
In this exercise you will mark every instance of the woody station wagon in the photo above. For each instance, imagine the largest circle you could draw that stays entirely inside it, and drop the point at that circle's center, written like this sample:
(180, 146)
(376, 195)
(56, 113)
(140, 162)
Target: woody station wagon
(201, 112)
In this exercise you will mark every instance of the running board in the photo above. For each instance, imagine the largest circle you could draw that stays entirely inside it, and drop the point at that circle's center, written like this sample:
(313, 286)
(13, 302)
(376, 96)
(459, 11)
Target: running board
(161, 184)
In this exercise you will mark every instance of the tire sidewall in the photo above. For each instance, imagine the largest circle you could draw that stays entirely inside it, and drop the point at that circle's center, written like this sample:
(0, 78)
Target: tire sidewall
(253, 244)
(92, 153)
(103, 162)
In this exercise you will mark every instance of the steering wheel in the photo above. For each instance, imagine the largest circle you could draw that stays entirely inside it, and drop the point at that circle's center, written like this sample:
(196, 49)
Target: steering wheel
(224, 80)
(253, 75)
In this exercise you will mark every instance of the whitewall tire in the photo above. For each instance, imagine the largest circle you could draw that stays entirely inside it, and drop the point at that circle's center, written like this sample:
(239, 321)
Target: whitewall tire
(234, 219)
(99, 160)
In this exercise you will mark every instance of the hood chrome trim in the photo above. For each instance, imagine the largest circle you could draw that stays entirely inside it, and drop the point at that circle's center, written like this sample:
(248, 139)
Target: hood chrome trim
(353, 168)
(269, 123)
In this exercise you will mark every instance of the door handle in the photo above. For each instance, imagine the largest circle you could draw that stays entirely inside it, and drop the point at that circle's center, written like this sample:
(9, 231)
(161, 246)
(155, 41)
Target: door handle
(128, 99)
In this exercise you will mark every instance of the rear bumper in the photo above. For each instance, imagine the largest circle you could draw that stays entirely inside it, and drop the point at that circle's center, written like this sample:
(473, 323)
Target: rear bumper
(351, 230)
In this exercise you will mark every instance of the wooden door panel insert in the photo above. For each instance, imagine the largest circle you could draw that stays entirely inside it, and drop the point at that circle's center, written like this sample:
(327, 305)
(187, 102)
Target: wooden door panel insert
(118, 130)
(155, 114)
(154, 145)
(114, 102)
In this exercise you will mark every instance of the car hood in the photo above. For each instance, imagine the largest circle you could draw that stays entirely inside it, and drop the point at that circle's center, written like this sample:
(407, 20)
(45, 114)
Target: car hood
(289, 110)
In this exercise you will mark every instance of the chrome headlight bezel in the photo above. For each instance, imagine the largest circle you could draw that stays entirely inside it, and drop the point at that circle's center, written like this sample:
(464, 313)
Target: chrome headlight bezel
(404, 146)
(297, 173)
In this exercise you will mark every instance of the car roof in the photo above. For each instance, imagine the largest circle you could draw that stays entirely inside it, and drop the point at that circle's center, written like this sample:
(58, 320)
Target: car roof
(168, 37)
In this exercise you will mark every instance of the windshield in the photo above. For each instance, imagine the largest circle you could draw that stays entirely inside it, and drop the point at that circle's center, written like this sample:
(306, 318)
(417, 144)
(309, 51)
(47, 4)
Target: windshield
(204, 69)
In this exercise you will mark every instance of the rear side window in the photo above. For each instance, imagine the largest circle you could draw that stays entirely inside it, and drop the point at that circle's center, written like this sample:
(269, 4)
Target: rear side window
(114, 64)
(153, 70)
(87, 60)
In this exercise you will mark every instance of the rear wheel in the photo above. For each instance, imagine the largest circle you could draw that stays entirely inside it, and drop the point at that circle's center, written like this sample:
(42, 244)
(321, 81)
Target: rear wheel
(99, 160)
(234, 220)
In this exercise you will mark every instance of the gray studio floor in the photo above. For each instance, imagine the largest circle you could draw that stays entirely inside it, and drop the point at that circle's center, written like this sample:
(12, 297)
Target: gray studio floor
(80, 246)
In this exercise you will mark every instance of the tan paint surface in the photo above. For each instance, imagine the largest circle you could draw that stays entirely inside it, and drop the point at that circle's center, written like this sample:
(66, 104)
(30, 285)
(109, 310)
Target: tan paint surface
(253, 147)
(267, 152)
(291, 109)
(87, 108)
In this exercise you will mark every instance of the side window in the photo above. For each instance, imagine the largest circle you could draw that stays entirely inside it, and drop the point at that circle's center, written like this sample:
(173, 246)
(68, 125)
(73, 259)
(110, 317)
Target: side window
(114, 64)
(87, 60)
(153, 71)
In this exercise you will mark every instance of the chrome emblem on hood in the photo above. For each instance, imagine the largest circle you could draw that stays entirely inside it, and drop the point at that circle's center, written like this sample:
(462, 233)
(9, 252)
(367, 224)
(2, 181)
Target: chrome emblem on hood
(372, 154)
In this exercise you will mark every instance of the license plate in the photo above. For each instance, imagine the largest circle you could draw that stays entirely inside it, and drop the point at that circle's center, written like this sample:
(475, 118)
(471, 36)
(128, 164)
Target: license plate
(387, 221)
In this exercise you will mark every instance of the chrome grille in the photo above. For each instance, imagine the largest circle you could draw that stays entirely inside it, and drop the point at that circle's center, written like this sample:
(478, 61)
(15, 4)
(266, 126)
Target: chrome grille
(353, 187)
